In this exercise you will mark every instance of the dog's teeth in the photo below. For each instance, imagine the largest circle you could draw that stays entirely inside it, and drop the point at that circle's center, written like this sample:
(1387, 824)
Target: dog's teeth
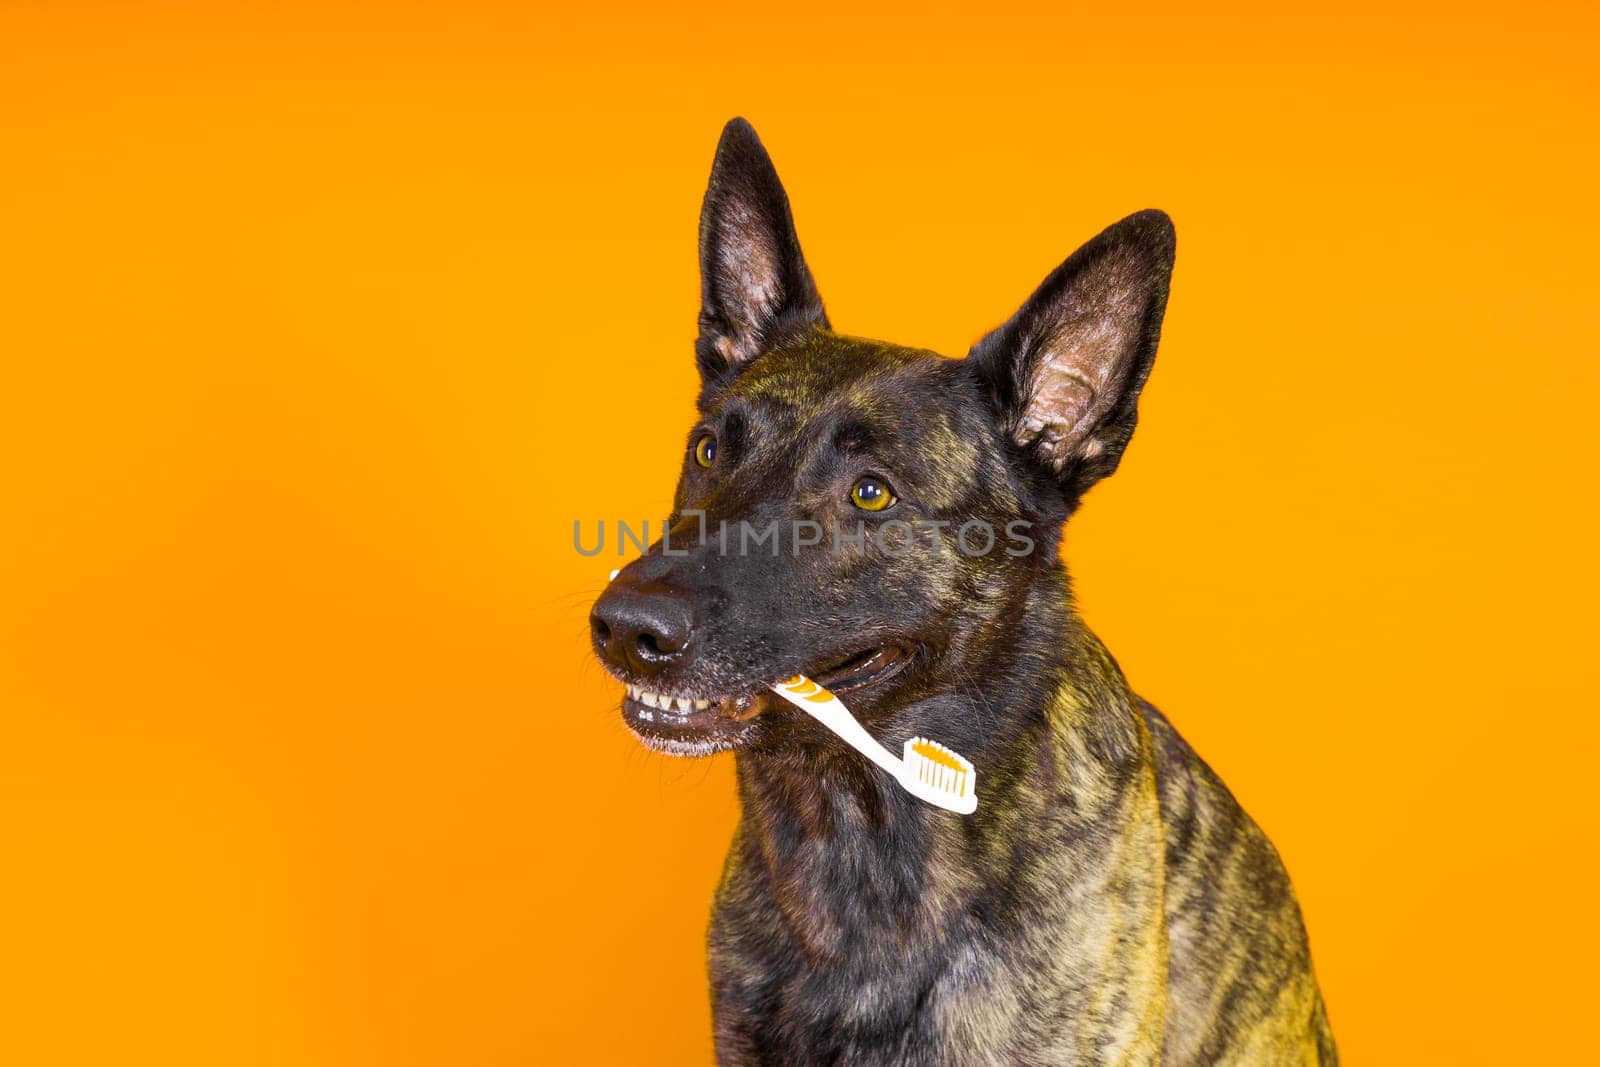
(682, 705)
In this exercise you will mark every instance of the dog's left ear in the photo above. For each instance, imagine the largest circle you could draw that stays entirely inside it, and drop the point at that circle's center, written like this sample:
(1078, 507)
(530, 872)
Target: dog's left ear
(1065, 372)
(755, 287)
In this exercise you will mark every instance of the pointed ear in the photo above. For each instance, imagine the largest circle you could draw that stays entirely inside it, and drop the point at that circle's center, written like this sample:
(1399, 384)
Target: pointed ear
(1065, 372)
(755, 288)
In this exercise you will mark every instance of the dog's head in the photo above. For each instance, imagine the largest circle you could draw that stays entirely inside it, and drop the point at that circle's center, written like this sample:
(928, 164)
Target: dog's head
(870, 515)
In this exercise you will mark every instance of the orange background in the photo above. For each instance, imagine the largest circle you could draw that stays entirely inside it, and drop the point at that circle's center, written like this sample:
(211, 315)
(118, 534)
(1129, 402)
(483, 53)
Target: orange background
(321, 326)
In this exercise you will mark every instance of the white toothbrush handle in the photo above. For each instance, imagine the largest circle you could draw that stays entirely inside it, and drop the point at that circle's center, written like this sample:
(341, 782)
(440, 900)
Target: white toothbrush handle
(836, 717)
(950, 785)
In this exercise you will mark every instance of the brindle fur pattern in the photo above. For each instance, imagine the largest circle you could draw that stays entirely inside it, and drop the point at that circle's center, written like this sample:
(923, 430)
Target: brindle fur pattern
(1109, 901)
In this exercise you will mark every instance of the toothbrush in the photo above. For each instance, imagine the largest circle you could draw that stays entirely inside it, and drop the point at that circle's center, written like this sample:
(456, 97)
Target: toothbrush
(929, 771)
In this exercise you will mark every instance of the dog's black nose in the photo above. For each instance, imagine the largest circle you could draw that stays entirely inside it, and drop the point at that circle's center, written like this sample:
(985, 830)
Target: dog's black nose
(641, 626)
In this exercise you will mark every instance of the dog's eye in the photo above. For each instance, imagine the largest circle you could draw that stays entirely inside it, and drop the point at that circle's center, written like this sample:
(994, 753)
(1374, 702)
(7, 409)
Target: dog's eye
(705, 450)
(869, 494)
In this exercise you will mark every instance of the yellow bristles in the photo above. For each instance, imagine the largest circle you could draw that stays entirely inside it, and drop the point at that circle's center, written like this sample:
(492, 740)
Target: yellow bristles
(939, 767)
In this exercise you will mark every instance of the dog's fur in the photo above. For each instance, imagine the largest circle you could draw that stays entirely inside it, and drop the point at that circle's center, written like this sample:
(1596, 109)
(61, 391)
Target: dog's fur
(1109, 901)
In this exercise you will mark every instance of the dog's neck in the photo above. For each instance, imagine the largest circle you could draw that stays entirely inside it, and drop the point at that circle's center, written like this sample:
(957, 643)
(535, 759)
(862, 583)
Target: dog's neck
(858, 868)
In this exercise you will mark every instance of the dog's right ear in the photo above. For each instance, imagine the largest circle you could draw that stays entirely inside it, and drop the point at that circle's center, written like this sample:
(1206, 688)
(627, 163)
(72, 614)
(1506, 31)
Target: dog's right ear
(755, 288)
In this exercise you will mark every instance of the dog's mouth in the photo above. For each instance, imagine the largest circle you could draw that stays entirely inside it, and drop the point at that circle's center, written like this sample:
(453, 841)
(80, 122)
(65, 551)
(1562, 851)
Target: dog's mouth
(688, 724)
(867, 667)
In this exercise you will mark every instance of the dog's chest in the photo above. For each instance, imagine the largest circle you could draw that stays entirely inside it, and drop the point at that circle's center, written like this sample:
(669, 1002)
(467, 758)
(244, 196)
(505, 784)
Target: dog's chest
(1056, 955)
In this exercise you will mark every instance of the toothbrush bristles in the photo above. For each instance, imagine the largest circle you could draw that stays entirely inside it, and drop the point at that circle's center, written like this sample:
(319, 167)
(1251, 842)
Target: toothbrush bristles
(939, 766)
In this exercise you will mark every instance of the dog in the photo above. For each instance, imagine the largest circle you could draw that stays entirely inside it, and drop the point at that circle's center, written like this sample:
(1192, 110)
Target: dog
(1109, 901)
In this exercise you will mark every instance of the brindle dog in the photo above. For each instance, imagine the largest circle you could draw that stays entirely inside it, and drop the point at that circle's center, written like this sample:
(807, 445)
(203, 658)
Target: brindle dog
(1109, 901)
